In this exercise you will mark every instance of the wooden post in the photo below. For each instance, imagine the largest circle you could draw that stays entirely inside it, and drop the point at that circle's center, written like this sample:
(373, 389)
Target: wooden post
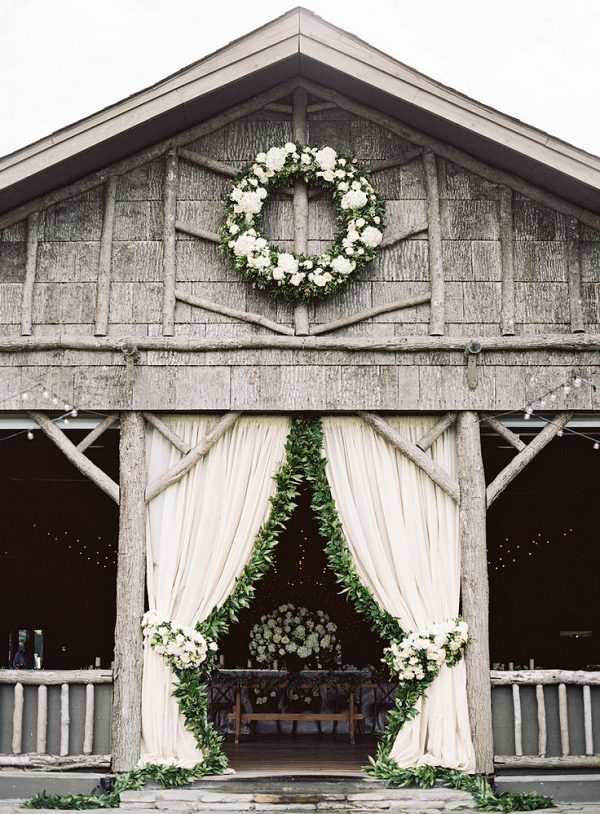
(300, 203)
(104, 265)
(474, 585)
(169, 241)
(436, 266)
(127, 703)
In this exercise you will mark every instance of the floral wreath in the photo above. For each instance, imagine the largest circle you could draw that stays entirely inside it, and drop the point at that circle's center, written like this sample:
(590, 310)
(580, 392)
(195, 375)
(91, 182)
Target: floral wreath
(360, 220)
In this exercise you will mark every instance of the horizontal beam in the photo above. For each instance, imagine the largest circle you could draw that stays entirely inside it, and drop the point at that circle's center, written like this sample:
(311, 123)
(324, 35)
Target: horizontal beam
(394, 344)
(555, 762)
(54, 677)
(51, 763)
(502, 678)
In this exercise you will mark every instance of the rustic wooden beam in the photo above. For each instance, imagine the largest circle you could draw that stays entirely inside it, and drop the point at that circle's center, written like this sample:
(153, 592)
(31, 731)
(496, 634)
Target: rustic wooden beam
(104, 265)
(65, 720)
(278, 107)
(541, 717)
(504, 432)
(395, 344)
(425, 462)
(587, 719)
(183, 466)
(30, 271)
(474, 587)
(300, 134)
(368, 313)
(167, 433)
(207, 163)
(77, 458)
(507, 322)
(88, 731)
(52, 678)
(98, 178)
(234, 313)
(436, 266)
(50, 763)
(399, 161)
(518, 719)
(574, 265)
(503, 678)
(537, 762)
(169, 242)
(131, 570)
(455, 155)
(17, 721)
(92, 436)
(195, 231)
(439, 428)
(320, 107)
(519, 462)
(392, 239)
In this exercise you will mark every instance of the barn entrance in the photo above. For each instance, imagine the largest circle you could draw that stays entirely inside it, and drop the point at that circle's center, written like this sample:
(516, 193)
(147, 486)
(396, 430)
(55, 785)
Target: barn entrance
(299, 580)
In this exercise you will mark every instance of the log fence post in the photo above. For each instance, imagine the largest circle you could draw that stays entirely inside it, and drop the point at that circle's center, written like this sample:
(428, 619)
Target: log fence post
(474, 587)
(127, 699)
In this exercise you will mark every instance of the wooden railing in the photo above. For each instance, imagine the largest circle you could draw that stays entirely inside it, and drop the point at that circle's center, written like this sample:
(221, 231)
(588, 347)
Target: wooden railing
(43, 679)
(556, 681)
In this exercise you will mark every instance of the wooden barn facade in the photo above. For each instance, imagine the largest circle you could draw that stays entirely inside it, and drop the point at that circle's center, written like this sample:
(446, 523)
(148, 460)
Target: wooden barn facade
(118, 312)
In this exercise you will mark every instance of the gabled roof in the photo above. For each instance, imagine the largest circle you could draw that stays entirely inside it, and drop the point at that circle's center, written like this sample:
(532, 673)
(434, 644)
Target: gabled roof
(298, 44)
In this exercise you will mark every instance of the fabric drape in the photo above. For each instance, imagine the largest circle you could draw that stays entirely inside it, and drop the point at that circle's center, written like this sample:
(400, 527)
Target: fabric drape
(200, 534)
(402, 531)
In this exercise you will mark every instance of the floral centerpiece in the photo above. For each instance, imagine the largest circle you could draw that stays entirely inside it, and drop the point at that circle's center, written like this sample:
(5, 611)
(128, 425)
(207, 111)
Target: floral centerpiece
(296, 638)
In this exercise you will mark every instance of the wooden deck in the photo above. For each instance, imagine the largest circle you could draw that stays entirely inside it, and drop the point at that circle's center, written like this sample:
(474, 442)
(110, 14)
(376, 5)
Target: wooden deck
(303, 754)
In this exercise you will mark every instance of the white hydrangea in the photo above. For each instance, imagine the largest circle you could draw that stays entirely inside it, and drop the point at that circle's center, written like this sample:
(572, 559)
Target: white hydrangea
(244, 245)
(354, 199)
(250, 203)
(276, 158)
(287, 263)
(341, 265)
(183, 647)
(326, 158)
(371, 236)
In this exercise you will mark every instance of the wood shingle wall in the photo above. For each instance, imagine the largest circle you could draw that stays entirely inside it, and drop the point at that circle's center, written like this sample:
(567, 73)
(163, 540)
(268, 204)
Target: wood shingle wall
(93, 266)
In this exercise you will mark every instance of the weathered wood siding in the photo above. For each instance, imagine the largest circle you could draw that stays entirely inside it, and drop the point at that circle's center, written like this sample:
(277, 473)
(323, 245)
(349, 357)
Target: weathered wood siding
(510, 265)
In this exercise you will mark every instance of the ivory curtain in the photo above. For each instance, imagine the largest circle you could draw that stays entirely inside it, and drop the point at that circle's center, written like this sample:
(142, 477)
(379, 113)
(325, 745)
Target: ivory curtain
(200, 533)
(402, 531)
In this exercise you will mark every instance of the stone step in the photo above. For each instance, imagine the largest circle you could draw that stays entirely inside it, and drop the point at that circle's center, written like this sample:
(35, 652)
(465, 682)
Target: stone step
(297, 796)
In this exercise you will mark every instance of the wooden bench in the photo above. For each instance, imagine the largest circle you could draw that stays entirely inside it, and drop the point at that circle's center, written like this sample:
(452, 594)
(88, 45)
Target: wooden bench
(350, 715)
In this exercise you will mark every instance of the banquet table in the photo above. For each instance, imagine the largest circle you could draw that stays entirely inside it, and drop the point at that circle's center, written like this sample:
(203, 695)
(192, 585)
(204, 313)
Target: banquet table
(340, 698)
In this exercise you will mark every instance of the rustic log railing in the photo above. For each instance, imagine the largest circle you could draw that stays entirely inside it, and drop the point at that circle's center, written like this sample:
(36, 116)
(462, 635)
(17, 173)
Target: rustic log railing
(43, 679)
(546, 682)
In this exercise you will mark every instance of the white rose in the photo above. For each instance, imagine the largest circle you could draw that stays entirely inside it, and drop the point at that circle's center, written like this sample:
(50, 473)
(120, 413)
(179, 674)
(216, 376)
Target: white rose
(327, 175)
(261, 158)
(244, 245)
(233, 228)
(326, 158)
(341, 265)
(297, 278)
(278, 273)
(290, 147)
(305, 158)
(275, 158)
(342, 186)
(250, 203)
(318, 280)
(371, 237)
(262, 193)
(354, 199)
(288, 263)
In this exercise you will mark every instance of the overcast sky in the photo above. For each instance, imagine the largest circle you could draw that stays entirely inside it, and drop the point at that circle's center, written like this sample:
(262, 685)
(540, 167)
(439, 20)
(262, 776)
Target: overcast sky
(537, 60)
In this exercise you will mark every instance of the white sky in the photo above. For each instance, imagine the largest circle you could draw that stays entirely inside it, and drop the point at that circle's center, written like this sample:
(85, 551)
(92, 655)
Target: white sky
(537, 60)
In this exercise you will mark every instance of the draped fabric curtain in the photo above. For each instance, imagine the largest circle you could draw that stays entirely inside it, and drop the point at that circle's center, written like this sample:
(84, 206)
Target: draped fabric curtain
(200, 534)
(402, 531)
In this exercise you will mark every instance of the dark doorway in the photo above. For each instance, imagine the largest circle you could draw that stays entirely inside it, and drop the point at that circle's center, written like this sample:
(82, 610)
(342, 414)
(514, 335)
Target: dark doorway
(544, 557)
(300, 575)
(58, 555)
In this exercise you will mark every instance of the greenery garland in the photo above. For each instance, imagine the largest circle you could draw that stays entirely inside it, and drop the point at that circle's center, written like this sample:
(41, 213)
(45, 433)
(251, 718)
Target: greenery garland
(303, 462)
(360, 214)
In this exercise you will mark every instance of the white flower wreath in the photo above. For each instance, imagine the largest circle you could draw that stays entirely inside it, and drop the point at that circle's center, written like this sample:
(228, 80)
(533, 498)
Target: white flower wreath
(360, 221)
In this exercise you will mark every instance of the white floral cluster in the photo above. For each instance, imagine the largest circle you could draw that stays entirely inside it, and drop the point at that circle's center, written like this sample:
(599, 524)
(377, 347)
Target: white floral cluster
(184, 648)
(419, 656)
(288, 630)
(359, 215)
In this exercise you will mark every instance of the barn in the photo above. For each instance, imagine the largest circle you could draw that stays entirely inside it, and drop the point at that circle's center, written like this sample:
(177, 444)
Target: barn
(299, 320)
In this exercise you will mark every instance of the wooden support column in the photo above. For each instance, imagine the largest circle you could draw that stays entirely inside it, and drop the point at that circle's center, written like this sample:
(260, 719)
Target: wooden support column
(575, 301)
(508, 263)
(106, 241)
(29, 282)
(169, 241)
(300, 128)
(474, 587)
(436, 266)
(127, 699)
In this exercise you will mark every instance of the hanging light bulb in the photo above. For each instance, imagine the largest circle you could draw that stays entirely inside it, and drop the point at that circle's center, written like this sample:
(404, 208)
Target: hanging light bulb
(560, 433)
(552, 396)
(66, 421)
(30, 436)
(74, 412)
(596, 444)
(24, 396)
(54, 400)
(68, 407)
(46, 393)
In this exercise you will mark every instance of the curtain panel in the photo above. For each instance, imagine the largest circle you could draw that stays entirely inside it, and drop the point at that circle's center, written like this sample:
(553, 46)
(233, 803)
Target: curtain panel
(402, 531)
(200, 534)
